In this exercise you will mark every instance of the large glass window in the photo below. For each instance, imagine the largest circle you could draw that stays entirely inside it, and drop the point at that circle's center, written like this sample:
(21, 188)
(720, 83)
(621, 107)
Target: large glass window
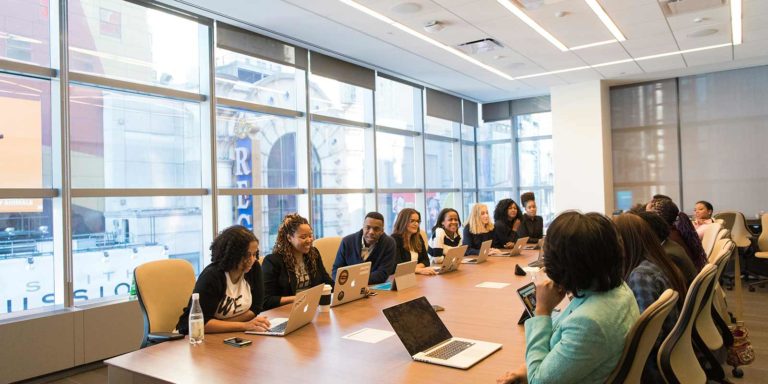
(340, 214)
(398, 105)
(125, 41)
(332, 98)
(25, 31)
(534, 151)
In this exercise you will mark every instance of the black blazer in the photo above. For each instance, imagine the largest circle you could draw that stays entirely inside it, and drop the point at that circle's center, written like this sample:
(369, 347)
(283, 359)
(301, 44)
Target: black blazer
(473, 241)
(403, 255)
(278, 282)
(531, 228)
(503, 233)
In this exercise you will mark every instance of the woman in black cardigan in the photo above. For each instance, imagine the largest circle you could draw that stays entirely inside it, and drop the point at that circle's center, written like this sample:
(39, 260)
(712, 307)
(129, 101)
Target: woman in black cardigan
(294, 265)
(408, 241)
(507, 218)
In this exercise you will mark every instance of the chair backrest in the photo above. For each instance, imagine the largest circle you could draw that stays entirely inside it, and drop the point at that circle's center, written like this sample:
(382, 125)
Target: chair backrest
(328, 247)
(705, 324)
(724, 233)
(677, 359)
(738, 226)
(728, 218)
(762, 241)
(710, 237)
(424, 237)
(163, 288)
(641, 339)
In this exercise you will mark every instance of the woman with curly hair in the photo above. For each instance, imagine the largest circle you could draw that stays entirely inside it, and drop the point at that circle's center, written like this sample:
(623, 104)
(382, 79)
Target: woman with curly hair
(507, 218)
(294, 265)
(681, 230)
(231, 287)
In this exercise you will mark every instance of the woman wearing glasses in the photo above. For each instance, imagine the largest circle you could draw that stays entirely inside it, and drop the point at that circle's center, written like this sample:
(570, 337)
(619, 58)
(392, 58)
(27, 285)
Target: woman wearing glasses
(231, 287)
(294, 265)
(408, 241)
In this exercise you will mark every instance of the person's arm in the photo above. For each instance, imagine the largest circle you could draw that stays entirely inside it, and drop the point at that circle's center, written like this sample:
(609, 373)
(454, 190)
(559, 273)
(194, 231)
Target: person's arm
(384, 264)
(339, 261)
(538, 232)
(646, 287)
(438, 243)
(522, 230)
(468, 239)
(238, 324)
(271, 270)
(499, 235)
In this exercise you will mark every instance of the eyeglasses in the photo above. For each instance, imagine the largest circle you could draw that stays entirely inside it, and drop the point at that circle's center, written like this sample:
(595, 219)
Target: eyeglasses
(416, 221)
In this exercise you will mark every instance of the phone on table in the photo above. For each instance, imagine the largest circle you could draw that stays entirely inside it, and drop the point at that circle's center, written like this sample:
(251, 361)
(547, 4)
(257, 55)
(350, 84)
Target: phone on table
(237, 342)
(527, 294)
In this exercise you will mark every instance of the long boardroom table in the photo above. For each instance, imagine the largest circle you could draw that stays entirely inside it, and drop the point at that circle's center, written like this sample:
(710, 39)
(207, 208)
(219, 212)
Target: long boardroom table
(317, 352)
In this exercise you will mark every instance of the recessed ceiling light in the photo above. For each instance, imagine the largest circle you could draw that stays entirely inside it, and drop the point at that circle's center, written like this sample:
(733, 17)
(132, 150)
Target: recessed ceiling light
(561, 14)
(515, 10)
(700, 19)
(434, 26)
(702, 32)
(600, 12)
(406, 8)
(736, 31)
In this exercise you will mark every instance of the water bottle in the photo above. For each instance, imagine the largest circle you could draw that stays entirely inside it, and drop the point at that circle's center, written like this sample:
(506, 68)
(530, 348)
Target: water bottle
(196, 322)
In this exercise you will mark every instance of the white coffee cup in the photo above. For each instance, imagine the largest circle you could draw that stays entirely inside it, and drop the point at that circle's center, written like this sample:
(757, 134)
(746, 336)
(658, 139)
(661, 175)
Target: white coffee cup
(325, 299)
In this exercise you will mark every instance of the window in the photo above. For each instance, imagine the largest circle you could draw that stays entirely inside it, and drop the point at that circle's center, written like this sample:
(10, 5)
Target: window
(111, 23)
(534, 150)
(25, 31)
(333, 98)
(340, 214)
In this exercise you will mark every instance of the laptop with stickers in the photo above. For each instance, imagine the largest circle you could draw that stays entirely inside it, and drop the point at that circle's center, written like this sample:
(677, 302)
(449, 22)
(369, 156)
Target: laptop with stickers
(351, 283)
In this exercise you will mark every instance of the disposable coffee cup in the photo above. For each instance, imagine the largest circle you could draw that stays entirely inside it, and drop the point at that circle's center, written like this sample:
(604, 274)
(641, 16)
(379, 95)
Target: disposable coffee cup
(325, 299)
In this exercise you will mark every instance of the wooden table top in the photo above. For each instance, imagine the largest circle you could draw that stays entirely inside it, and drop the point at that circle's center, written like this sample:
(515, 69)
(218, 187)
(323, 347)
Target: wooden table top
(318, 353)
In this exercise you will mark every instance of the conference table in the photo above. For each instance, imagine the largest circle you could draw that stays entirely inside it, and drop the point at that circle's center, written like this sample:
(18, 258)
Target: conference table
(317, 352)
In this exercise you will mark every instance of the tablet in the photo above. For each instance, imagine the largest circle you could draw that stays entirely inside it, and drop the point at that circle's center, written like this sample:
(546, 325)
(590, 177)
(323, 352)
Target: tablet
(527, 294)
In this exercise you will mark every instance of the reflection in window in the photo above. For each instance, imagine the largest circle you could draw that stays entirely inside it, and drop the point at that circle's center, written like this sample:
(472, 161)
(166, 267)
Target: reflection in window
(396, 157)
(340, 215)
(25, 31)
(333, 98)
(125, 140)
(114, 235)
(398, 105)
(534, 124)
(436, 201)
(258, 81)
(441, 127)
(390, 204)
(442, 170)
(342, 160)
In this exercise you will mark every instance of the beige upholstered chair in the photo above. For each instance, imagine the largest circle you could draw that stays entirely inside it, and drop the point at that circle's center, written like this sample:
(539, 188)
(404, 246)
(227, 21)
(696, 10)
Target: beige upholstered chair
(328, 246)
(424, 237)
(677, 359)
(710, 237)
(641, 338)
(163, 288)
(762, 250)
(706, 326)
(737, 224)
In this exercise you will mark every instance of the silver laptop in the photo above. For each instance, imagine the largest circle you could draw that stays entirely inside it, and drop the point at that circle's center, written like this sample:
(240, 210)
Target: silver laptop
(351, 283)
(515, 251)
(302, 313)
(428, 340)
(404, 278)
(539, 262)
(452, 260)
(482, 255)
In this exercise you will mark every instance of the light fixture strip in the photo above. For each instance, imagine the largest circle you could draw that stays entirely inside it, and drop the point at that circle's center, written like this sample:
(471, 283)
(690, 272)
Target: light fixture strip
(425, 38)
(600, 12)
(599, 43)
(515, 10)
(736, 22)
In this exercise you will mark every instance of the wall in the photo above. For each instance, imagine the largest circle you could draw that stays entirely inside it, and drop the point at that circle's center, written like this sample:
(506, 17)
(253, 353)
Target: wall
(581, 133)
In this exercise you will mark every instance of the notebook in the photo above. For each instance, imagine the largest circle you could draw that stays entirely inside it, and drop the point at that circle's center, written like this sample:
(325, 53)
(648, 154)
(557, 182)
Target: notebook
(302, 313)
(351, 283)
(404, 278)
(428, 340)
(482, 256)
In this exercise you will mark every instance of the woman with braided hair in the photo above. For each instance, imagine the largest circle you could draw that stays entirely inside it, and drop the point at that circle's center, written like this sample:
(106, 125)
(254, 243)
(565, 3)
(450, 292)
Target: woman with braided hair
(681, 230)
(294, 265)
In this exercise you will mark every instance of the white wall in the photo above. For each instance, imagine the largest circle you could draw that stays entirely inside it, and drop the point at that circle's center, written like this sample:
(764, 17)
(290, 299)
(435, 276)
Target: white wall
(581, 133)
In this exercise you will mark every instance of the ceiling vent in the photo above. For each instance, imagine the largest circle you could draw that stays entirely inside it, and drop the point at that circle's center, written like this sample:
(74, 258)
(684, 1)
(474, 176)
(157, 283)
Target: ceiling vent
(480, 46)
(679, 7)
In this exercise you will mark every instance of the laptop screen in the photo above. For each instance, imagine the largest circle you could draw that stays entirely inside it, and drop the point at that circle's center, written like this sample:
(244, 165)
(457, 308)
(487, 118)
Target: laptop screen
(417, 325)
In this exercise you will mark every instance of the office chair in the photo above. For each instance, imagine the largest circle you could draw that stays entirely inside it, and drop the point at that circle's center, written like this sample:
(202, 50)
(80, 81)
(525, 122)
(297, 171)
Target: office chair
(711, 326)
(163, 288)
(710, 237)
(677, 359)
(762, 250)
(737, 224)
(328, 247)
(641, 339)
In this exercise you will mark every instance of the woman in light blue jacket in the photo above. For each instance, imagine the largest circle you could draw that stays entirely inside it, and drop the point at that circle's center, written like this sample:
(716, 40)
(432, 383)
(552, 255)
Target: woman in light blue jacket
(583, 258)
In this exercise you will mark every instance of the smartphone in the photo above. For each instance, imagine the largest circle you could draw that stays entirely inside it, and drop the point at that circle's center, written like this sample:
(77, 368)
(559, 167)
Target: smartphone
(237, 342)
(527, 294)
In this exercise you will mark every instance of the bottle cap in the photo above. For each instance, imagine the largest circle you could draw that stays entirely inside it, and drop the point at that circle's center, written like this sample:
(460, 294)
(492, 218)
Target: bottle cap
(195, 296)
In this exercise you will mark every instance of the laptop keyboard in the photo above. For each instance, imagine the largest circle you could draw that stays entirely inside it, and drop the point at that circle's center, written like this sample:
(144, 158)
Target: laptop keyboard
(280, 328)
(450, 350)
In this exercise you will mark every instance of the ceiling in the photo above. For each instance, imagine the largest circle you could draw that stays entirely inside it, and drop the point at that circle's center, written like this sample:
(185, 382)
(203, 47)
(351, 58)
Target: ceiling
(651, 27)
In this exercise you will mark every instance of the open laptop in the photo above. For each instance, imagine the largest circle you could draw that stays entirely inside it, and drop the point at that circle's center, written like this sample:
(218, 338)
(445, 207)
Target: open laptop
(452, 260)
(534, 243)
(539, 262)
(428, 340)
(302, 313)
(404, 278)
(482, 256)
(351, 283)
(515, 251)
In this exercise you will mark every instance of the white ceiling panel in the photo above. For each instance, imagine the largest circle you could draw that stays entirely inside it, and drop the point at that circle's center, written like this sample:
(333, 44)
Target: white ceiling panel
(602, 54)
(709, 56)
(479, 11)
(751, 49)
(574, 77)
(618, 70)
(545, 81)
(579, 26)
(662, 64)
(650, 45)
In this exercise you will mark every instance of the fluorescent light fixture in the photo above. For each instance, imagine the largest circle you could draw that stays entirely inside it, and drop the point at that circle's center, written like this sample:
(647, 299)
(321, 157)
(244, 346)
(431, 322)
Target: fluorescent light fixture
(511, 7)
(736, 32)
(600, 12)
(425, 38)
(599, 43)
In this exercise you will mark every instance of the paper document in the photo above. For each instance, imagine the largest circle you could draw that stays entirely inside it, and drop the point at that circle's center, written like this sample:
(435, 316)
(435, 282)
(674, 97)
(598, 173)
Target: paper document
(531, 269)
(490, 284)
(369, 335)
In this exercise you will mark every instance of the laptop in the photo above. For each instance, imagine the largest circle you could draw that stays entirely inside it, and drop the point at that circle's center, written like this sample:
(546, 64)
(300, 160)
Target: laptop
(404, 278)
(452, 260)
(482, 256)
(539, 262)
(302, 313)
(351, 283)
(515, 251)
(534, 243)
(428, 340)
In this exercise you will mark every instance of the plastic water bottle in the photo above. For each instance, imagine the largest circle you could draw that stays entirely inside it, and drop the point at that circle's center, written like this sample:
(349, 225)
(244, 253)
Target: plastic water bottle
(196, 322)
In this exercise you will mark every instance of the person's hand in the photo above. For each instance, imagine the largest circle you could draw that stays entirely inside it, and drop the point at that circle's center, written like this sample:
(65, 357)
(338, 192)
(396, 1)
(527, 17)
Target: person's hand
(518, 376)
(509, 244)
(548, 296)
(258, 323)
(426, 271)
